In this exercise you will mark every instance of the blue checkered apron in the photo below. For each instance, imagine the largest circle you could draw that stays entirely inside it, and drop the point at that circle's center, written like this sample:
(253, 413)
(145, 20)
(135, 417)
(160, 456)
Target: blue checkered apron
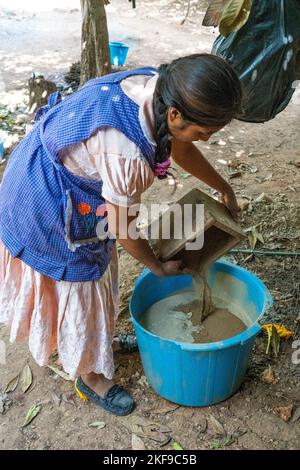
(48, 216)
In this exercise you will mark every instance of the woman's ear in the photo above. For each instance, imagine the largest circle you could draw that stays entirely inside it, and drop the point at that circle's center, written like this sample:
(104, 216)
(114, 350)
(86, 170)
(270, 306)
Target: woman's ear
(174, 116)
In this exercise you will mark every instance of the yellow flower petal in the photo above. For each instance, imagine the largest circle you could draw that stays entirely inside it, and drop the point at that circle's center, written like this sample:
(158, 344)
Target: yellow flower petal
(282, 331)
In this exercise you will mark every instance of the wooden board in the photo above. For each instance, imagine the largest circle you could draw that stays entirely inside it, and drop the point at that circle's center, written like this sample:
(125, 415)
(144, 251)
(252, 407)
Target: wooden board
(220, 231)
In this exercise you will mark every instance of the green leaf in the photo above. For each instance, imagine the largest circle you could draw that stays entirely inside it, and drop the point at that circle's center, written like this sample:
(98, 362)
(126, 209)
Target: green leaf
(98, 424)
(3, 113)
(229, 440)
(12, 385)
(214, 12)
(26, 378)
(234, 16)
(176, 446)
(31, 414)
(10, 122)
(216, 445)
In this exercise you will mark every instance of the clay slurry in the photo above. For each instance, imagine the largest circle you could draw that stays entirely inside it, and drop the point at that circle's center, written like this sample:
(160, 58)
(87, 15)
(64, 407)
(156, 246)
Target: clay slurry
(190, 316)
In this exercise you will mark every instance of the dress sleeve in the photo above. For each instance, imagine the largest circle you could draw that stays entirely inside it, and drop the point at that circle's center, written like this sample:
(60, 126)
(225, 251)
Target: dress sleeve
(124, 179)
(123, 171)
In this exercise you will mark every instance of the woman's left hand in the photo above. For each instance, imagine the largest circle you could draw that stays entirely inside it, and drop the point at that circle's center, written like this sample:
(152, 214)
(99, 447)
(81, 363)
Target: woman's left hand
(228, 198)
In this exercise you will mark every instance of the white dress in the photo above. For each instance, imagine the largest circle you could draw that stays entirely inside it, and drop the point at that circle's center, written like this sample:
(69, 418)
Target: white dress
(78, 318)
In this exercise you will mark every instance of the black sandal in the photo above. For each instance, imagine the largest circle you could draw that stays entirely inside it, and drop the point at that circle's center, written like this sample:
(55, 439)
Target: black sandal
(116, 400)
(128, 343)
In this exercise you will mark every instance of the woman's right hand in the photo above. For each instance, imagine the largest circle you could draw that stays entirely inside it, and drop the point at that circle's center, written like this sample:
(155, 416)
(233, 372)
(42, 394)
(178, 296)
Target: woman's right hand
(169, 268)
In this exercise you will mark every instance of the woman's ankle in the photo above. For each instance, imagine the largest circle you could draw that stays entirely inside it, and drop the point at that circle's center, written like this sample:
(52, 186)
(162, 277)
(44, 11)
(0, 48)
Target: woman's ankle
(92, 378)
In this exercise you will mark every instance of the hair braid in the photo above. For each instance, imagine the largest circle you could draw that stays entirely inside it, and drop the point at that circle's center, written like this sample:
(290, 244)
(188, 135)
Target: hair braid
(160, 109)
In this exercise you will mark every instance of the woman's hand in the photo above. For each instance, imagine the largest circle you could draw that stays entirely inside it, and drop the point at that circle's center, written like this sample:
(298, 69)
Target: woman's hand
(169, 268)
(228, 198)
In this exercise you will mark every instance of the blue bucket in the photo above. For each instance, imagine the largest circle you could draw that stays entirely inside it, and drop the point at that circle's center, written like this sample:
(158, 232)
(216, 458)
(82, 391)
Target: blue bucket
(199, 374)
(118, 52)
(2, 140)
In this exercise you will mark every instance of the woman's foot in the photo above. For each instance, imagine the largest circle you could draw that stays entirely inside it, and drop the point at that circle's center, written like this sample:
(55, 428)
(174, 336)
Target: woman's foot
(103, 392)
(97, 382)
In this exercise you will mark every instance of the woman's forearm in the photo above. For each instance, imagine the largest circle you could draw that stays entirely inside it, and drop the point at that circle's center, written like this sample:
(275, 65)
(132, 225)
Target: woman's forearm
(186, 155)
(120, 225)
(142, 252)
(123, 227)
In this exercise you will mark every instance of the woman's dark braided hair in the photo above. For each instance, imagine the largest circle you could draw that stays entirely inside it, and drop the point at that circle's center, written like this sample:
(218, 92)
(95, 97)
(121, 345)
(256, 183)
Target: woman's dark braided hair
(202, 87)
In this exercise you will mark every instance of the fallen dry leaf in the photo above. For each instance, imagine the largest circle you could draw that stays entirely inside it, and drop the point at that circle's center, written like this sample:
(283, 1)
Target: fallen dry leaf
(254, 236)
(202, 424)
(59, 372)
(214, 12)
(234, 16)
(215, 426)
(164, 408)
(145, 428)
(137, 443)
(263, 197)
(268, 376)
(26, 378)
(285, 412)
(12, 385)
(296, 415)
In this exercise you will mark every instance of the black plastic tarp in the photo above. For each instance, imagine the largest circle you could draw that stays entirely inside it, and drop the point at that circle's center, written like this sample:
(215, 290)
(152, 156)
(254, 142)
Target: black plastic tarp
(265, 53)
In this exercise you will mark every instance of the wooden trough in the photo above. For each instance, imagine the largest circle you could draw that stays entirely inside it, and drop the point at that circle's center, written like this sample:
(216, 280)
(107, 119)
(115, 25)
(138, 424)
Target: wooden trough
(220, 232)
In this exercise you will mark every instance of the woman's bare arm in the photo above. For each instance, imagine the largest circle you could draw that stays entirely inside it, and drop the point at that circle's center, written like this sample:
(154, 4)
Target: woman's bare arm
(119, 222)
(186, 155)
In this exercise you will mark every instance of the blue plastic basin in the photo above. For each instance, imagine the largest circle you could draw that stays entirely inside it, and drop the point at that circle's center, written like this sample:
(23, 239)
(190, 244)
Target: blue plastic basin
(2, 140)
(199, 374)
(118, 52)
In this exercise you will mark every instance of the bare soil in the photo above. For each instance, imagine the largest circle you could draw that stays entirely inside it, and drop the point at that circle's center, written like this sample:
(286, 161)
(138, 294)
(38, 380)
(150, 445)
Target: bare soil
(267, 157)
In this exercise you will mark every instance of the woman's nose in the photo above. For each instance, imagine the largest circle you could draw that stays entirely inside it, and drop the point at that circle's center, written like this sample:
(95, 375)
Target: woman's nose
(205, 137)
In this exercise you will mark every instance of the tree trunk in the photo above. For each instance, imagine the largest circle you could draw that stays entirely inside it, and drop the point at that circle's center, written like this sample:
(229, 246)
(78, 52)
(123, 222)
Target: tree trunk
(39, 90)
(95, 59)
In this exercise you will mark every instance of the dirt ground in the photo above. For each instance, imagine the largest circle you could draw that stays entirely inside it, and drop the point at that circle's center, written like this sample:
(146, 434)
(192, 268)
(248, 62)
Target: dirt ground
(265, 164)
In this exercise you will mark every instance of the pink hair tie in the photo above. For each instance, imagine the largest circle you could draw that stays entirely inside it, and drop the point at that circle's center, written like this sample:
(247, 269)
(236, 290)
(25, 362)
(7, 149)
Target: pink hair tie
(161, 169)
